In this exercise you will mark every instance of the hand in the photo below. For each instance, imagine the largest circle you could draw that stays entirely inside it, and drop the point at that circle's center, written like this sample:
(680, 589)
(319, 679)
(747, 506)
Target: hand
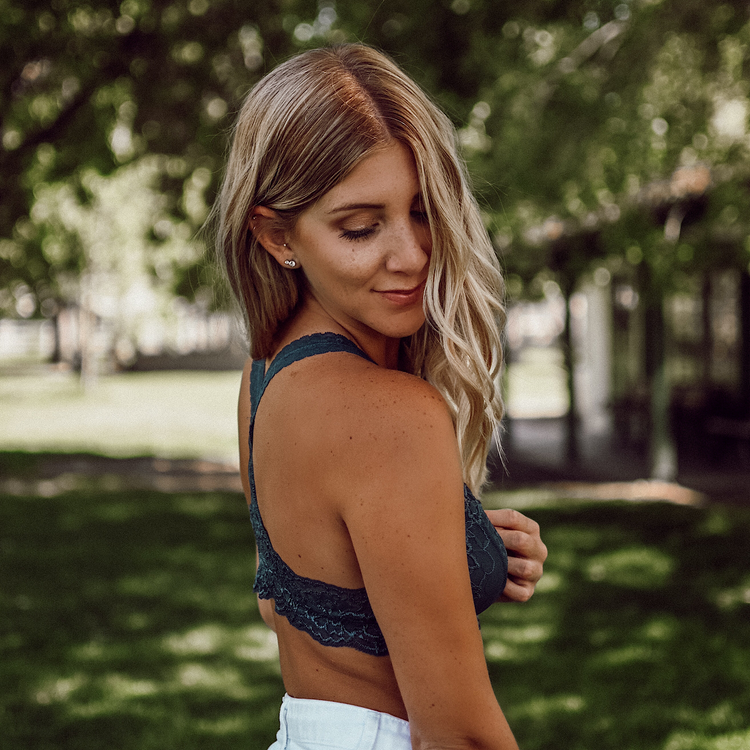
(526, 553)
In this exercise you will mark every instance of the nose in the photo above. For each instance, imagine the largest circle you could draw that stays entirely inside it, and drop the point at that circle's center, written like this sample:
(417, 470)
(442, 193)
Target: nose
(411, 248)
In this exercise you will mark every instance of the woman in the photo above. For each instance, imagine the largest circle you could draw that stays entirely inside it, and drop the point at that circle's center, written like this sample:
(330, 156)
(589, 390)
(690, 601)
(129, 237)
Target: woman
(371, 296)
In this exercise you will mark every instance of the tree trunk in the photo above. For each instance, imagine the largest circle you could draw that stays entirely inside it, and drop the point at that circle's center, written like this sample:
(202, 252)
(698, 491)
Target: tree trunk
(707, 345)
(87, 334)
(56, 356)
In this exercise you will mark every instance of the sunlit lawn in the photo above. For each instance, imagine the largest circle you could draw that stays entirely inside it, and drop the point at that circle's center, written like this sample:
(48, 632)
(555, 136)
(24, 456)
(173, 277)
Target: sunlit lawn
(127, 621)
(169, 414)
(188, 414)
(535, 384)
(639, 635)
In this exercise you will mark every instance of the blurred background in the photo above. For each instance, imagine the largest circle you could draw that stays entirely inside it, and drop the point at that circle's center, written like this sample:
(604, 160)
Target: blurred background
(609, 146)
(608, 143)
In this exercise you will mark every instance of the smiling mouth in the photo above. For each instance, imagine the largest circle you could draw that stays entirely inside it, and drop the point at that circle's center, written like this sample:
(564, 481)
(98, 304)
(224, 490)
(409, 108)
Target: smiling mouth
(400, 291)
(403, 296)
(405, 292)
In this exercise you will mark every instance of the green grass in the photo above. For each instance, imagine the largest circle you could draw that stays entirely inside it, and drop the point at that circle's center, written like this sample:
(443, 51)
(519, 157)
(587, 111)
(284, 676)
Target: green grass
(127, 618)
(639, 635)
(127, 621)
(168, 414)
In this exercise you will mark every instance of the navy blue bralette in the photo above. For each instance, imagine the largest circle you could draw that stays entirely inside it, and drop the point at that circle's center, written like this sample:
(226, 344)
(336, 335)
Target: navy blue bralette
(332, 615)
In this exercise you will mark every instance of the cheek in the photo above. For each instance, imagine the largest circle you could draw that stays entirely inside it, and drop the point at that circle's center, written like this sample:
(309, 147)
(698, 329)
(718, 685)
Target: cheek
(342, 270)
(352, 265)
(422, 235)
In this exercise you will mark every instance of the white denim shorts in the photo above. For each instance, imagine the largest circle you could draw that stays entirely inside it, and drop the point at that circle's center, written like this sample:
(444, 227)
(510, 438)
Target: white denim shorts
(325, 725)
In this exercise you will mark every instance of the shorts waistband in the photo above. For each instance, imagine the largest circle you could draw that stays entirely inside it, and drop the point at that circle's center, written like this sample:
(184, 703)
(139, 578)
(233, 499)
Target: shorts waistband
(353, 726)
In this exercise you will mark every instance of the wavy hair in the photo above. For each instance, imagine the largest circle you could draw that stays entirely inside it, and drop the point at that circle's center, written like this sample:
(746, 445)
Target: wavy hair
(301, 130)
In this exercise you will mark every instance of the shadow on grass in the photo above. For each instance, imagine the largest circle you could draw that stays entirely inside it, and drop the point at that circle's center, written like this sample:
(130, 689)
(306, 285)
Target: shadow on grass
(128, 621)
(639, 635)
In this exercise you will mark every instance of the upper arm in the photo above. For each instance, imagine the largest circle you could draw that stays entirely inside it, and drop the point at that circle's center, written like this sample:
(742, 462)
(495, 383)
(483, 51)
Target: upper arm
(404, 511)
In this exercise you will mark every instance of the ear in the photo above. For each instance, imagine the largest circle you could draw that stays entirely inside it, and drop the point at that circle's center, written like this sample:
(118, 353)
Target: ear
(268, 228)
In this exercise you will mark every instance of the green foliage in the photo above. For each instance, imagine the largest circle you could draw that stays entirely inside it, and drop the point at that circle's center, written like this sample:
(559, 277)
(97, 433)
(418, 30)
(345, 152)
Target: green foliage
(87, 89)
(572, 113)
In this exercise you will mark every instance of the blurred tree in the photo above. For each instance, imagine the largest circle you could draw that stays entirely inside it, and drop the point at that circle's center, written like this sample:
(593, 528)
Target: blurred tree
(567, 109)
(96, 86)
(575, 116)
(590, 113)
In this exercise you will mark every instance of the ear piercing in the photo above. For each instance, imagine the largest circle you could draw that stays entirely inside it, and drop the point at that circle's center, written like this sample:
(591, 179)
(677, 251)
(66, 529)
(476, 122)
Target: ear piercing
(289, 262)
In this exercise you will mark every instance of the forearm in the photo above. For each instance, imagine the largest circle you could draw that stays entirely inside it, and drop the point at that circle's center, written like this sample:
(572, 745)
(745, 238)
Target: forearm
(493, 733)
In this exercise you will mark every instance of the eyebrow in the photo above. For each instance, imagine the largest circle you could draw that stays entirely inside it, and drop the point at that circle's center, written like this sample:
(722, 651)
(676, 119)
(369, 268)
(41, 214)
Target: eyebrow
(377, 206)
(355, 206)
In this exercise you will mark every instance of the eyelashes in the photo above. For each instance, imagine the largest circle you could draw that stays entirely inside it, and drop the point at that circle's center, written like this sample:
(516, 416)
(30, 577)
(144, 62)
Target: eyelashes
(353, 235)
(357, 234)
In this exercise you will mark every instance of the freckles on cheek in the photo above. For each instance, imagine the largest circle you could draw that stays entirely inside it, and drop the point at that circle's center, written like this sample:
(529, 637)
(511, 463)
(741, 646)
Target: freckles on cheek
(353, 268)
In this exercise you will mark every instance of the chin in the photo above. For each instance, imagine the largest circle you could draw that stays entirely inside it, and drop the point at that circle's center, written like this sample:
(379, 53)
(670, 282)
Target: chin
(405, 330)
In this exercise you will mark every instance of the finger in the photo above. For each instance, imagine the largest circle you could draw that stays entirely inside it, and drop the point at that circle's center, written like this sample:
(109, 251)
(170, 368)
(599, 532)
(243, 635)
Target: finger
(515, 592)
(522, 544)
(524, 571)
(511, 519)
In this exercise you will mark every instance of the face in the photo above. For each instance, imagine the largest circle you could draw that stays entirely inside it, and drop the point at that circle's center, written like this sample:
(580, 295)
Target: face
(365, 246)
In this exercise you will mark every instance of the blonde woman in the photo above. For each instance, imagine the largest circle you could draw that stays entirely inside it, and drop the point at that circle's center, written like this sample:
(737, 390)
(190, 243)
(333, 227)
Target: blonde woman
(372, 301)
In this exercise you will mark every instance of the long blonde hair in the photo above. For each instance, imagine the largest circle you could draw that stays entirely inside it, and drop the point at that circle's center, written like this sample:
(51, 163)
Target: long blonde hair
(301, 130)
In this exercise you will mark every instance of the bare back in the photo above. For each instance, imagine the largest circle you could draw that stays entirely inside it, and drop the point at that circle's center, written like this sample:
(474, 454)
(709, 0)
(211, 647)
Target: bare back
(358, 482)
(301, 513)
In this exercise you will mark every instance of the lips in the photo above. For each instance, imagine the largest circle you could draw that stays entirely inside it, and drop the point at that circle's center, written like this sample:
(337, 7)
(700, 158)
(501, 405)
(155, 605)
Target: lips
(403, 296)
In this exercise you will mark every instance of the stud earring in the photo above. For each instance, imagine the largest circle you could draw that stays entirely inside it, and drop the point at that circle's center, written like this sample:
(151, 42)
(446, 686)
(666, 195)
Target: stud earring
(290, 263)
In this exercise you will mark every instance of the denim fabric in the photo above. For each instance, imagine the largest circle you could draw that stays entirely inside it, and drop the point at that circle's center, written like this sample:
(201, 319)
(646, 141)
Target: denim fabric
(324, 725)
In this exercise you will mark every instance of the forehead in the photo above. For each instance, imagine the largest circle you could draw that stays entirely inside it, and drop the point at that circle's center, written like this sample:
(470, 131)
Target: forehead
(386, 174)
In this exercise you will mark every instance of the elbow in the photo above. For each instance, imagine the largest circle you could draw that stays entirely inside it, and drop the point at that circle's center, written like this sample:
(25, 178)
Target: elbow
(501, 741)
(493, 735)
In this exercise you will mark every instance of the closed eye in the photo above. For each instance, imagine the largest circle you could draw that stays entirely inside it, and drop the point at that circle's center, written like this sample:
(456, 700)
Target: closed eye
(357, 234)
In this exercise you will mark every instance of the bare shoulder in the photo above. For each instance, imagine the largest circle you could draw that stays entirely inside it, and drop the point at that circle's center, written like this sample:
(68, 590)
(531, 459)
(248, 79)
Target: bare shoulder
(363, 404)
(365, 425)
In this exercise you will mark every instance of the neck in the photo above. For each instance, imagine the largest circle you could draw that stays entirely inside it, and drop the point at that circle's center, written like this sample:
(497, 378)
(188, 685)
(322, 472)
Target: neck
(311, 317)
